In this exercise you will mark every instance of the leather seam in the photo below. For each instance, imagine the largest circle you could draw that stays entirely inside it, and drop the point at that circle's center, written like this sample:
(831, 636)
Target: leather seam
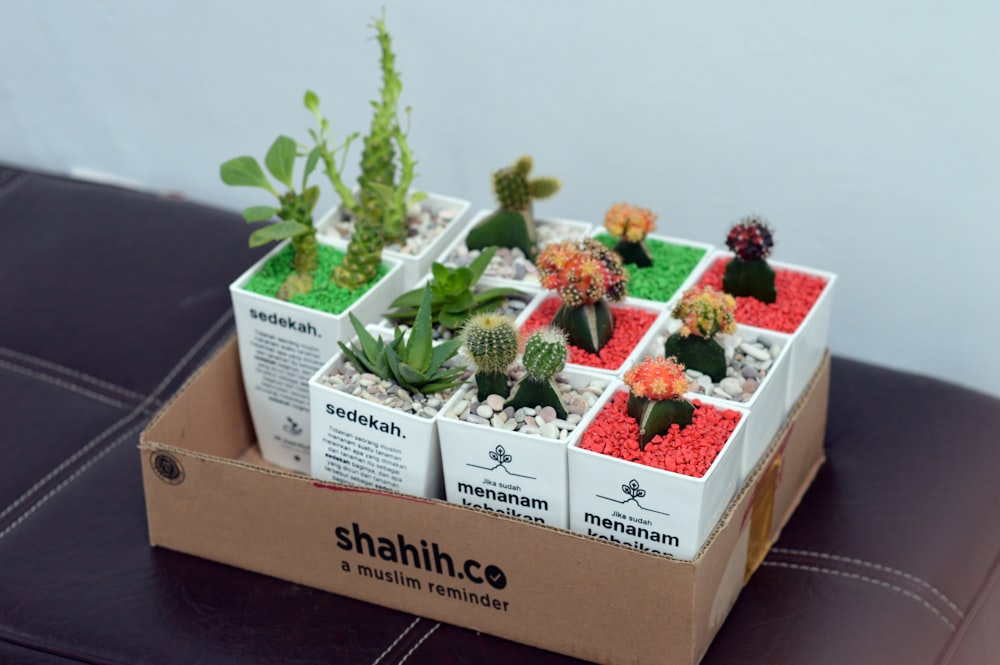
(416, 646)
(61, 383)
(396, 641)
(868, 580)
(76, 374)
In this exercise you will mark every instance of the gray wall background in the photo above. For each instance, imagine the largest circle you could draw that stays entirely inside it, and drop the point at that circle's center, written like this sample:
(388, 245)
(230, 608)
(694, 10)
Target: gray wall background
(865, 131)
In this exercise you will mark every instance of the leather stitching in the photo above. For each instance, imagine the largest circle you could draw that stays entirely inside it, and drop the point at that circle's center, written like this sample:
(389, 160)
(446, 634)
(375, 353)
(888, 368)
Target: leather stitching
(396, 641)
(61, 383)
(419, 642)
(27, 359)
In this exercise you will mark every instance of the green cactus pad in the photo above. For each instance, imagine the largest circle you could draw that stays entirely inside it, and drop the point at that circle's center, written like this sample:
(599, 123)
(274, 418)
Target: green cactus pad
(750, 278)
(587, 326)
(491, 383)
(505, 228)
(634, 253)
(530, 393)
(701, 353)
(656, 416)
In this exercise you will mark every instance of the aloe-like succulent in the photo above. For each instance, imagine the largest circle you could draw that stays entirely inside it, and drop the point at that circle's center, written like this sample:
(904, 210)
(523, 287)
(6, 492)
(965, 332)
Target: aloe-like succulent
(453, 296)
(631, 224)
(294, 211)
(704, 313)
(586, 275)
(492, 340)
(513, 223)
(748, 273)
(656, 397)
(544, 356)
(413, 361)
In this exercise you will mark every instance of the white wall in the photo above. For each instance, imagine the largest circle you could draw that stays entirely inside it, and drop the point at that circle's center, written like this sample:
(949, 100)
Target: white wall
(866, 131)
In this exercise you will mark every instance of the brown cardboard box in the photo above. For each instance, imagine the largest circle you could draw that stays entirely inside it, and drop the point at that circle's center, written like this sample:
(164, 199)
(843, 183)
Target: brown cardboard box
(209, 494)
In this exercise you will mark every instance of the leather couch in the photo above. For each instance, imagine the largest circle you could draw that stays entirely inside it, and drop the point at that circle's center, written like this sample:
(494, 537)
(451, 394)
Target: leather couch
(110, 298)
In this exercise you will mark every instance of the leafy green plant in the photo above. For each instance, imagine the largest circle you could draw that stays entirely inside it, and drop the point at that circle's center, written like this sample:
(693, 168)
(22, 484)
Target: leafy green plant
(413, 361)
(294, 211)
(453, 296)
(387, 171)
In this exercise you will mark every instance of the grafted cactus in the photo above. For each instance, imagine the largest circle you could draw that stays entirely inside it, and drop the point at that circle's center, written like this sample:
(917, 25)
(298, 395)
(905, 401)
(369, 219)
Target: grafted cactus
(704, 313)
(748, 273)
(513, 224)
(586, 275)
(656, 389)
(544, 356)
(492, 340)
(631, 224)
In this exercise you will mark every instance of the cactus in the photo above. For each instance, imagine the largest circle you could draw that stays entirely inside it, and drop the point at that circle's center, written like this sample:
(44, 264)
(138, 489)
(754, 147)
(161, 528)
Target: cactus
(630, 224)
(748, 273)
(295, 210)
(656, 389)
(492, 340)
(544, 356)
(586, 275)
(513, 224)
(413, 362)
(704, 313)
(453, 299)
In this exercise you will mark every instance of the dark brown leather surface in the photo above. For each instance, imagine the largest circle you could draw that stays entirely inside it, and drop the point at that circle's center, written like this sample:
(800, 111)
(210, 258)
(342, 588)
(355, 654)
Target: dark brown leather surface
(110, 298)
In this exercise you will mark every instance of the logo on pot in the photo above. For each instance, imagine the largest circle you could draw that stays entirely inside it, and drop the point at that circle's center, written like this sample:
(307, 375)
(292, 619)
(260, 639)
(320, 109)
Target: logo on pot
(501, 459)
(167, 467)
(292, 427)
(633, 493)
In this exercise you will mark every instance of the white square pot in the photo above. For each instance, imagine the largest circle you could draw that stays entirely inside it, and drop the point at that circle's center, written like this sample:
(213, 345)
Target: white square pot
(415, 263)
(809, 340)
(509, 472)
(767, 403)
(549, 231)
(281, 346)
(650, 509)
(356, 441)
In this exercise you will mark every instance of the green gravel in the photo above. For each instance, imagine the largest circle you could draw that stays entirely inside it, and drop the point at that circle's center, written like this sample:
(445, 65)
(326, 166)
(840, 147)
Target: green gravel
(672, 264)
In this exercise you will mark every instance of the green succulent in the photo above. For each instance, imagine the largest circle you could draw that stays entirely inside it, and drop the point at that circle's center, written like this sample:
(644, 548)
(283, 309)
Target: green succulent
(453, 298)
(413, 361)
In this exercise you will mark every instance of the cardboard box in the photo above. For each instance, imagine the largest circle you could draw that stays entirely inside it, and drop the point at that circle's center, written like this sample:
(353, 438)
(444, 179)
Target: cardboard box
(208, 494)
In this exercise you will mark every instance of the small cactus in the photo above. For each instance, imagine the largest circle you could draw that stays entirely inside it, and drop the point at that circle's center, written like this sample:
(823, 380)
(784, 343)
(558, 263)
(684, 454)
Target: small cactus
(544, 356)
(631, 224)
(492, 340)
(704, 313)
(656, 389)
(748, 273)
(513, 224)
(586, 275)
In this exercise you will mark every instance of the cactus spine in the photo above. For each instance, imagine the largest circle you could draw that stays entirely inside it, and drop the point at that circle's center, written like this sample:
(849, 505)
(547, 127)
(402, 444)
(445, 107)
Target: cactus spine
(748, 273)
(544, 356)
(492, 340)
(656, 402)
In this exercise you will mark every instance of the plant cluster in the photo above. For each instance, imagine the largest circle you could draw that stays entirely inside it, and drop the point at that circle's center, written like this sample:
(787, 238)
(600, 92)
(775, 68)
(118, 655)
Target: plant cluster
(492, 341)
(656, 389)
(414, 362)
(453, 296)
(704, 313)
(513, 224)
(631, 224)
(748, 273)
(586, 275)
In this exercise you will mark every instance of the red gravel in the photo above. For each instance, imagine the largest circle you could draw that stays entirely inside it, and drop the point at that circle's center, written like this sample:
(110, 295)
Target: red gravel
(797, 293)
(689, 451)
(631, 323)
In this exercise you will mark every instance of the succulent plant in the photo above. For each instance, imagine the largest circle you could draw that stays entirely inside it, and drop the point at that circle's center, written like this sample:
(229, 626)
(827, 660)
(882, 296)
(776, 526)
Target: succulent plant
(748, 273)
(704, 313)
(631, 224)
(586, 275)
(379, 211)
(656, 397)
(294, 211)
(544, 356)
(492, 340)
(413, 361)
(513, 224)
(453, 298)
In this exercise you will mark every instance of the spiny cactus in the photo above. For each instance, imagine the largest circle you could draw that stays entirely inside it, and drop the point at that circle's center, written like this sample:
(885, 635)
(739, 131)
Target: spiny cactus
(544, 356)
(704, 313)
(748, 273)
(631, 224)
(656, 389)
(492, 340)
(586, 275)
(295, 210)
(513, 224)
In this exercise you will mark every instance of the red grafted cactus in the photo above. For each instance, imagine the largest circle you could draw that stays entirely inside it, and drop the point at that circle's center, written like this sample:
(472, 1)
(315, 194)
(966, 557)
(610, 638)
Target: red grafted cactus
(656, 397)
(704, 313)
(748, 273)
(631, 224)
